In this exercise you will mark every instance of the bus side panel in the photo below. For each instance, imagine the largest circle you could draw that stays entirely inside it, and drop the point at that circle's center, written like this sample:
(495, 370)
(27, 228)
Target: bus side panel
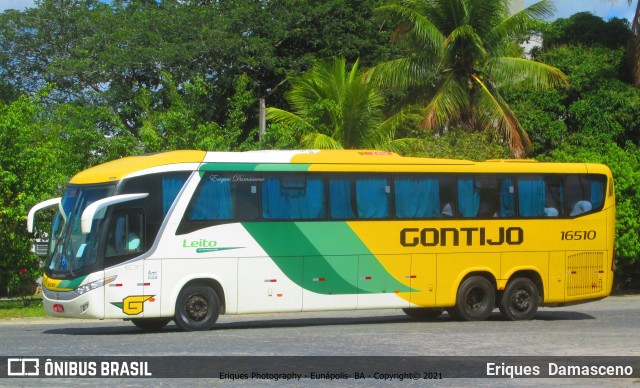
(452, 268)
(513, 262)
(178, 272)
(377, 286)
(330, 283)
(263, 287)
(152, 287)
(124, 297)
(557, 278)
(423, 280)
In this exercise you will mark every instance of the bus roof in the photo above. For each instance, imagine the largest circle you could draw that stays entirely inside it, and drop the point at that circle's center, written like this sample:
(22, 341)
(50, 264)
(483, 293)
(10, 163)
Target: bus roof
(315, 160)
(120, 168)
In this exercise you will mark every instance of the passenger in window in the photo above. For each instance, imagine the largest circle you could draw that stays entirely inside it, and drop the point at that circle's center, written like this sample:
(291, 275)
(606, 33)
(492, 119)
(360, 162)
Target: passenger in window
(551, 212)
(447, 210)
(580, 207)
(489, 208)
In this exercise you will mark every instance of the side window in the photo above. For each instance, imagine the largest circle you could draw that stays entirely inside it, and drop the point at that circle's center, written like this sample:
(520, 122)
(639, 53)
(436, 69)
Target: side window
(163, 189)
(125, 236)
(293, 197)
(486, 196)
(373, 194)
(340, 198)
(584, 193)
(532, 196)
(554, 197)
(223, 198)
(171, 186)
(417, 197)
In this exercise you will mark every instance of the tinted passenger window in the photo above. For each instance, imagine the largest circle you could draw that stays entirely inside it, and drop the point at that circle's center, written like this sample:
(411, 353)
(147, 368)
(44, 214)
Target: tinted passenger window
(486, 196)
(373, 196)
(585, 193)
(224, 197)
(295, 197)
(422, 196)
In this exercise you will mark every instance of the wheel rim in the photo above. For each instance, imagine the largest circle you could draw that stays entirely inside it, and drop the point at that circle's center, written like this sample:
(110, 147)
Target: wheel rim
(197, 307)
(476, 299)
(520, 301)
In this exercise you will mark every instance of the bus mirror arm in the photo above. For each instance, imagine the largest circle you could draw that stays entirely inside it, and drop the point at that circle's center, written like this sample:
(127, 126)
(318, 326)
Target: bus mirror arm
(37, 208)
(90, 212)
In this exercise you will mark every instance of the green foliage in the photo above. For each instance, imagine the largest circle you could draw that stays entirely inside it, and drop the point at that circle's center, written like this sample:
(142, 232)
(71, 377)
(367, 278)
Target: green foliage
(27, 308)
(596, 109)
(586, 29)
(459, 144)
(30, 170)
(543, 115)
(586, 66)
(121, 55)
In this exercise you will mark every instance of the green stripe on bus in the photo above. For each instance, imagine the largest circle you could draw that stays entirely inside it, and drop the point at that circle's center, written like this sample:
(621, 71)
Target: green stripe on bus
(72, 284)
(331, 252)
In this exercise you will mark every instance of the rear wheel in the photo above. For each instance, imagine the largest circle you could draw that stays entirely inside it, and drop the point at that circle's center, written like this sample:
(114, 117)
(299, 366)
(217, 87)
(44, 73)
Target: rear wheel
(475, 300)
(423, 313)
(150, 324)
(520, 300)
(197, 308)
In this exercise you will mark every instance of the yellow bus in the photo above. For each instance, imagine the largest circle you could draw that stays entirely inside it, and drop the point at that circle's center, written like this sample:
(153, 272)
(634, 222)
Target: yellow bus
(189, 235)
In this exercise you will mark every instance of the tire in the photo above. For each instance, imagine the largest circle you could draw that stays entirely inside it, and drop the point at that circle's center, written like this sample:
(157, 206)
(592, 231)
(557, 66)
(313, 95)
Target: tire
(423, 313)
(150, 324)
(197, 308)
(520, 300)
(475, 300)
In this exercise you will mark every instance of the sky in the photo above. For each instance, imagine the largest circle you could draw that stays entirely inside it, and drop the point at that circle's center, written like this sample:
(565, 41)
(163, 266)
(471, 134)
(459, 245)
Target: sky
(606, 9)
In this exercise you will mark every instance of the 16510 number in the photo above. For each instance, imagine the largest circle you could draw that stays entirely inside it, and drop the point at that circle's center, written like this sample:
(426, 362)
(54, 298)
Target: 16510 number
(575, 235)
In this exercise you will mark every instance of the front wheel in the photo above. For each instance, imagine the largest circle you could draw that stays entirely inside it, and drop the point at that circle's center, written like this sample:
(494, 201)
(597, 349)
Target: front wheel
(197, 308)
(520, 300)
(475, 300)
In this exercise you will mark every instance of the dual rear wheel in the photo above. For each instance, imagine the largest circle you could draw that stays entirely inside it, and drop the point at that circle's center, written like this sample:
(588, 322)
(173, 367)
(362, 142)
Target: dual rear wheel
(476, 300)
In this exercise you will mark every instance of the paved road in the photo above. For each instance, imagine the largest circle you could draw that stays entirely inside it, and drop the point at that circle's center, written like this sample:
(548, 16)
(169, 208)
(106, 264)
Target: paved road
(610, 327)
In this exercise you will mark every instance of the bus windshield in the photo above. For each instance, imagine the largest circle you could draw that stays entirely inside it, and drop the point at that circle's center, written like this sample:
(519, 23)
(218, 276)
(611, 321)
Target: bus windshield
(70, 250)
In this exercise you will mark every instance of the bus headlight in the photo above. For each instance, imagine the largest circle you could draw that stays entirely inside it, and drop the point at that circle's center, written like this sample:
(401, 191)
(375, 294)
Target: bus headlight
(93, 285)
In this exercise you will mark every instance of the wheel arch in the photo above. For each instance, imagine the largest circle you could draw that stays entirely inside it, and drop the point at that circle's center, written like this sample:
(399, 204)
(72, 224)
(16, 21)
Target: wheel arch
(204, 280)
(483, 272)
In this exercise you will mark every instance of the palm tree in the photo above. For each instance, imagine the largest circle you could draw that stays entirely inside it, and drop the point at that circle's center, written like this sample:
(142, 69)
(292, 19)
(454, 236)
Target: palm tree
(461, 54)
(339, 109)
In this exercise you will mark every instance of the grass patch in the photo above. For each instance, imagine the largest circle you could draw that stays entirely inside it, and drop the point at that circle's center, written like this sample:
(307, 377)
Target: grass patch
(17, 309)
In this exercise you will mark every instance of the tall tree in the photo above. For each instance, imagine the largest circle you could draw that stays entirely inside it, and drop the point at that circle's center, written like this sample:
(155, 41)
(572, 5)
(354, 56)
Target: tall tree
(460, 54)
(105, 53)
(633, 48)
(339, 108)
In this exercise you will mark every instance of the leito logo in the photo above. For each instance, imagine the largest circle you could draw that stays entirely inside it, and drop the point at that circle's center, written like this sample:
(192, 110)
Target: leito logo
(23, 367)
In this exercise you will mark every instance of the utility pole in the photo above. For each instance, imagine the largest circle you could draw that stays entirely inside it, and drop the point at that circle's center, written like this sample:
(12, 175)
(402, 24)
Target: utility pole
(262, 122)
